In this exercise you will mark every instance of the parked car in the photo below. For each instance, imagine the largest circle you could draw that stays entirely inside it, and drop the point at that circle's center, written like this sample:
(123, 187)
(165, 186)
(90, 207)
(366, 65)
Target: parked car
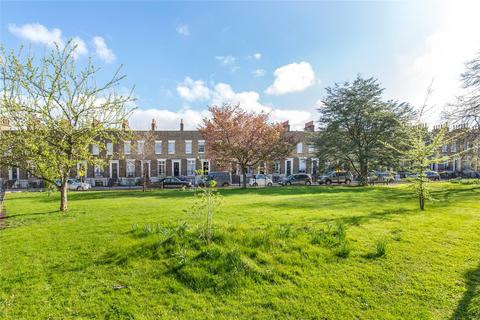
(297, 179)
(381, 177)
(222, 178)
(173, 182)
(336, 177)
(260, 180)
(432, 175)
(75, 184)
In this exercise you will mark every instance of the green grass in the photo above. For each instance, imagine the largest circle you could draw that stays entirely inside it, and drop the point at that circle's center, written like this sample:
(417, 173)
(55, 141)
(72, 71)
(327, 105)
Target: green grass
(298, 253)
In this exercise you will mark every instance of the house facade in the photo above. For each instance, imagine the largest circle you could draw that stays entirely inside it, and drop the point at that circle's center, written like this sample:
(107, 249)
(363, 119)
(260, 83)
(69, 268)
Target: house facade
(159, 153)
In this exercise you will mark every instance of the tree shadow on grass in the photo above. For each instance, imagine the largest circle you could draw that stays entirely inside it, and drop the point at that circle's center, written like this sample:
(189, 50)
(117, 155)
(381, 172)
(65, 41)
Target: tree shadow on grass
(469, 305)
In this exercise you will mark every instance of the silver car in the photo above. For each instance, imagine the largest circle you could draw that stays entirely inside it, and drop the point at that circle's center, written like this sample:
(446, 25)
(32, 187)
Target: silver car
(336, 177)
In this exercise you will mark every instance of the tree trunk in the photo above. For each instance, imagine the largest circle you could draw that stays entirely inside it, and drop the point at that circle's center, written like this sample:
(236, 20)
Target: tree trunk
(244, 175)
(63, 196)
(422, 202)
(363, 177)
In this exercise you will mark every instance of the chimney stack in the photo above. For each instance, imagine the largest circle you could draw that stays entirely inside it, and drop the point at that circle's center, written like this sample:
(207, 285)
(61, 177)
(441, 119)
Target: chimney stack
(286, 125)
(125, 124)
(4, 124)
(181, 124)
(309, 126)
(154, 125)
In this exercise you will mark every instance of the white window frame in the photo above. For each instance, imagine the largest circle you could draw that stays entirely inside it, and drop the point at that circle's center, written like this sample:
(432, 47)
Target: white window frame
(127, 163)
(300, 147)
(304, 161)
(201, 142)
(171, 143)
(188, 143)
(277, 168)
(109, 148)
(453, 147)
(95, 150)
(97, 169)
(161, 163)
(191, 171)
(10, 173)
(311, 148)
(127, 147)
(140, 146)
(158, 143)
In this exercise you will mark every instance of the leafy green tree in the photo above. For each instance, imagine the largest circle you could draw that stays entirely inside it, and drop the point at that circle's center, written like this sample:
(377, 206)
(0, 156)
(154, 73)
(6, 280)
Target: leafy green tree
(354, 120)
(57, 114)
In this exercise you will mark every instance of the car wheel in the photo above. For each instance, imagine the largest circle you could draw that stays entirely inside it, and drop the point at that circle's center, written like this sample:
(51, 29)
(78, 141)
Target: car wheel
(226, 184)
(255, 184)
(79, 188)
(269, 184)
(328, 182)
(348, 181)
(308, 183)
(288, 184)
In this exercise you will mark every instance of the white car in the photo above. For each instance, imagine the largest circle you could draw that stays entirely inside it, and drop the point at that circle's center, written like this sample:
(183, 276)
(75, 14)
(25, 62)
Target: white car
(261, 180)
(74, 184)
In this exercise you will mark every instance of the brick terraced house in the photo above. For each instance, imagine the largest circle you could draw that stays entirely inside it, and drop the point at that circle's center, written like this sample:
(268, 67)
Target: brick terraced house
(159, 153)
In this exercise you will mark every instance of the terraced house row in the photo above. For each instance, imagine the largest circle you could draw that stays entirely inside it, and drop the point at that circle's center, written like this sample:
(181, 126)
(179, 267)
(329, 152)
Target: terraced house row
(159, 153)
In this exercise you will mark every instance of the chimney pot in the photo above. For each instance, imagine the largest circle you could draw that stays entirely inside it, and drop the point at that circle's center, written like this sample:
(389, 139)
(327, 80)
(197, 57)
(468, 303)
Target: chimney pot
(154, 125)
(309, 126)
(181, 124)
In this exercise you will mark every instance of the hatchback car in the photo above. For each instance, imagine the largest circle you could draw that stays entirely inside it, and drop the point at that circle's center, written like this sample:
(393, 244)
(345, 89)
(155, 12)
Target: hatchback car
(174, 182)
(74, 184)
(336, 177)
(297, 179)
(260, 180)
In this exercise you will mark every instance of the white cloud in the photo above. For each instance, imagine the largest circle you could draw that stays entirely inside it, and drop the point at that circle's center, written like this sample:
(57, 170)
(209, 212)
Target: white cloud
(226, 60)
(102, 50)
(166, 119)
(192, 90)
(81, 47)
(259, 73)
(183, 30)
(256, 56)
(294, 77)
(248, 100)
(37, 33)
(441, 58)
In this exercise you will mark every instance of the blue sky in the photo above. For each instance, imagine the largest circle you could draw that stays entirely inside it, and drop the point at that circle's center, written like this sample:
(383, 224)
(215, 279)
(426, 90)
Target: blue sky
(271, 56)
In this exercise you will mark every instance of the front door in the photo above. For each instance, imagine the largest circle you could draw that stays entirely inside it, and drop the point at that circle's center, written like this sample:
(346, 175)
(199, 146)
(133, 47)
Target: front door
(176, 168)
(288, 167)
(114, 170)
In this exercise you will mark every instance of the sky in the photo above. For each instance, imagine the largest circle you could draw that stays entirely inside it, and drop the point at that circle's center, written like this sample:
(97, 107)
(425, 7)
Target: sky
(275, 57)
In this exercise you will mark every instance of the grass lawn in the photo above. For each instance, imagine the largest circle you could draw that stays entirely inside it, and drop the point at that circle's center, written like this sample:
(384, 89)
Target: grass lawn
(298, 253)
